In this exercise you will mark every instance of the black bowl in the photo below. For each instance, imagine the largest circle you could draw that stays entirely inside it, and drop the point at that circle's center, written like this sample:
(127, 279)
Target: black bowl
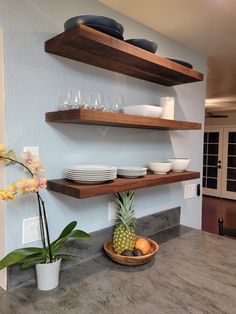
(143, 43)
(94, 20)
(107, 30)
(182, 62)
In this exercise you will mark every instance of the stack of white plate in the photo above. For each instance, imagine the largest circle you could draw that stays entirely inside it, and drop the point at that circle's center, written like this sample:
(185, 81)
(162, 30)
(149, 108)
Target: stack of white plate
(90, 174)
(131, 172)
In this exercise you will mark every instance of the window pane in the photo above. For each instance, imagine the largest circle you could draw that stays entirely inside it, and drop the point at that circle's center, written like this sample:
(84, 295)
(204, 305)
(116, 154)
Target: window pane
(204, 160)
(204, 171)
(205, 137)
(212, 160)
(204, 182)
(232, 149)
(212, 172)
(213, 149)
(213, 137)
(231, 174)
(205, 149)
(212, 183)
(232, 137)
(231, 186)
(231, 161)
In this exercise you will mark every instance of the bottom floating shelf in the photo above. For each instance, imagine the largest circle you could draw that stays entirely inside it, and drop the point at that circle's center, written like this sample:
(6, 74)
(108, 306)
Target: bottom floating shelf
(76, 190)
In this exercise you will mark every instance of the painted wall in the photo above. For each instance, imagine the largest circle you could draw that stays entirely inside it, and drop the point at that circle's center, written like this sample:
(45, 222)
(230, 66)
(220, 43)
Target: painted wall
(2, 172)
(33, 80)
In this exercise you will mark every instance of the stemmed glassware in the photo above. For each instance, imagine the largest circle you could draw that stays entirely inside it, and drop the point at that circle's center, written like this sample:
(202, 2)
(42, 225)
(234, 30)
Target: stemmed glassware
(95, 101)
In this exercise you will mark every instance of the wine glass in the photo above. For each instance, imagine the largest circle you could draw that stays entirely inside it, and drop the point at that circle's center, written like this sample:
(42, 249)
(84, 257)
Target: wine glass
(117, 103)
(78, 99)
(98, 102)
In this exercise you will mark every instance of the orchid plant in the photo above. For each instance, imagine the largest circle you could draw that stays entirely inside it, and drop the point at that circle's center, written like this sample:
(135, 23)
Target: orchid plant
(49, 252)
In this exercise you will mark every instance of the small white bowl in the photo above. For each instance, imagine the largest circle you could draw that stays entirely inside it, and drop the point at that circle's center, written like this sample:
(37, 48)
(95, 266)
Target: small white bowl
(179, 164)
(160, 167)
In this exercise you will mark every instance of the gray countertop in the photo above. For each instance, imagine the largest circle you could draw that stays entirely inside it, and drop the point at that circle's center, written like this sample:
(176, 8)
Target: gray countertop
(193, 272)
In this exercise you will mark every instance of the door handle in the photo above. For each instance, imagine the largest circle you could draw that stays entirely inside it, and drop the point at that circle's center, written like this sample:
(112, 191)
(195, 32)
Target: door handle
(219, 166)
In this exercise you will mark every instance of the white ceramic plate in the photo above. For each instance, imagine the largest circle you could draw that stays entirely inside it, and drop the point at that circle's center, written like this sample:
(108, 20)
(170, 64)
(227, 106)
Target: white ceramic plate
(91, 168)
(131, 176)
(131, 169)
(144, 110)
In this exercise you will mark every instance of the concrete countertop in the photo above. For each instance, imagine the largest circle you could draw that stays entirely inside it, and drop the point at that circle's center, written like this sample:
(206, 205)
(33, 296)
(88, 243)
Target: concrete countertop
(193, 272)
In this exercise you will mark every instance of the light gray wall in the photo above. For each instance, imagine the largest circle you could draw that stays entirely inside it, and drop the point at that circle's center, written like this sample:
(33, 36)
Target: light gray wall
(2, 169)
(33, 79)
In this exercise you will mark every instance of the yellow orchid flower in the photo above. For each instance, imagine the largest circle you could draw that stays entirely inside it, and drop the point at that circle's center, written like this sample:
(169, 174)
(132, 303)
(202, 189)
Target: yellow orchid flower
(26, 185)
(7, 195)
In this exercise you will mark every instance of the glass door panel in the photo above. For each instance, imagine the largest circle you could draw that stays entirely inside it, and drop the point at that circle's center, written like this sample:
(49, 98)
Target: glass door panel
(229, 164)
(212, 151)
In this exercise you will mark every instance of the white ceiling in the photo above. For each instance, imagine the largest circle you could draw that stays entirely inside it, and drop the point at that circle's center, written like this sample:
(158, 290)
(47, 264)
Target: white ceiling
(208, 26)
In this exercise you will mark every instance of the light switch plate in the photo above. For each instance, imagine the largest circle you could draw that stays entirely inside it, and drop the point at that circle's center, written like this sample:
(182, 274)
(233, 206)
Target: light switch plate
(31, 230)
(190, 191)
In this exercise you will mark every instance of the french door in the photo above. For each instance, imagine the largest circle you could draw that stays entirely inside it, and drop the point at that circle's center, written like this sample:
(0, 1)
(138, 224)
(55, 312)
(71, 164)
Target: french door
(219, 162)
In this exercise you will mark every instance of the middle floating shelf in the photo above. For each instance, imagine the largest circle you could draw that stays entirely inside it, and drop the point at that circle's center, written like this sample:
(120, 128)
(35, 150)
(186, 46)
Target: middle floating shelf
(86, 116)
(80, 191)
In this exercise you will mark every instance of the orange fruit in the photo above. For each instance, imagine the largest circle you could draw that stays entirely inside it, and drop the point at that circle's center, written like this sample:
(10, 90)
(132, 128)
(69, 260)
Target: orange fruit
(143, 245)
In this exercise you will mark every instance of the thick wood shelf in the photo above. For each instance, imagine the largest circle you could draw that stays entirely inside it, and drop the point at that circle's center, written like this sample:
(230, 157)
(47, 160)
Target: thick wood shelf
(86, 116)
(90, 46)
(73, 189)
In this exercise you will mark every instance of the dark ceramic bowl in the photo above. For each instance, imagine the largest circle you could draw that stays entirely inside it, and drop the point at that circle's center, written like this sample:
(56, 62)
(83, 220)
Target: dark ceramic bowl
(107, 30)
(94, 20)
(143, 43)
(182, 62)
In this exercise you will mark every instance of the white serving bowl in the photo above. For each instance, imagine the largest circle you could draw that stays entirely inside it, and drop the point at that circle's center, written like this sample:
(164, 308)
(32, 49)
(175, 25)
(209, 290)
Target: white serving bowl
(160, 167)
(179, 164)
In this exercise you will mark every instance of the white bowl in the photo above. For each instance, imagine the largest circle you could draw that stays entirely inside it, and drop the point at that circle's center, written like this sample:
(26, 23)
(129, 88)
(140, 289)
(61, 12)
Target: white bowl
(144, 110)
(160, 167)
(179, 164)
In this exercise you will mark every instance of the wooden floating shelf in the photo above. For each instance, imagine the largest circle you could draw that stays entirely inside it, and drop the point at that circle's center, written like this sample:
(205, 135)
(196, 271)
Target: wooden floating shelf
(76, 190)
(86, 116)
(90, 46)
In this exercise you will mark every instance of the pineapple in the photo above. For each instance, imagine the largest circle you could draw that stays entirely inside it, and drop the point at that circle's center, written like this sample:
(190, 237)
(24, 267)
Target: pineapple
(124, 234)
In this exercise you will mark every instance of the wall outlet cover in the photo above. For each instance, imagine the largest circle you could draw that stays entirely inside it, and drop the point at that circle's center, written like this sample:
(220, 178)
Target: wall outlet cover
(190, 191)
(31, 230)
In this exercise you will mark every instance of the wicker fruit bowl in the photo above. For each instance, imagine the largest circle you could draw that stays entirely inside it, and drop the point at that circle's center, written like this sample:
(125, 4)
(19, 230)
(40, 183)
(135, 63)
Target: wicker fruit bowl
(131, 260)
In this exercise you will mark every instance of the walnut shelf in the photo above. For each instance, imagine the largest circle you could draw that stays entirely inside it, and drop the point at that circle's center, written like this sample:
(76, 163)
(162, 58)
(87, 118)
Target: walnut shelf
(86, 116)
(76, 190)
(90, 46)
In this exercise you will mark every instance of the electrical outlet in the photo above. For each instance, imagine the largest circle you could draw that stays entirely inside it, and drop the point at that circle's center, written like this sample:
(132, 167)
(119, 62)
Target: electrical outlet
(190, 191)
(111, 211)
(31, 230)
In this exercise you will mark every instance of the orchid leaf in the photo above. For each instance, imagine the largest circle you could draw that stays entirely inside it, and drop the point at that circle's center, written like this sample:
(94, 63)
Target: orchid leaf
(79, 234)
(64, 255)
(71, 226)
(33, 262)
(17, 255)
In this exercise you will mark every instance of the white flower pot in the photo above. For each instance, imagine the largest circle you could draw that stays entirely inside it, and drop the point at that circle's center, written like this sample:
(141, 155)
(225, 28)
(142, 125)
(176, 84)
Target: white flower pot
(48, 275)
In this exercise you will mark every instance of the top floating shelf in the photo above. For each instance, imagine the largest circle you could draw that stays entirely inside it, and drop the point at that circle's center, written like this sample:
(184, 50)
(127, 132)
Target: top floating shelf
(90, 46)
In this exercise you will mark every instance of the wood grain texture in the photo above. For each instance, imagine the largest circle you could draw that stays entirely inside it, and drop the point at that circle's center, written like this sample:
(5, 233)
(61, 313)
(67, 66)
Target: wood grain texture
(214, 208)
(86, 116)
(76, 190)
(90, 46)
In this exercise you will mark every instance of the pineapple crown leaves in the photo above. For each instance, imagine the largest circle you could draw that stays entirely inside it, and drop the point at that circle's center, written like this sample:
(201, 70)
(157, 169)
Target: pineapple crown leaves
(125, 213)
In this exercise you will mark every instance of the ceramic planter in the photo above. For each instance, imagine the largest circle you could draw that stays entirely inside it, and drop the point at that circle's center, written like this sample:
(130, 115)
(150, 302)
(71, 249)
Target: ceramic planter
(48, 275)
